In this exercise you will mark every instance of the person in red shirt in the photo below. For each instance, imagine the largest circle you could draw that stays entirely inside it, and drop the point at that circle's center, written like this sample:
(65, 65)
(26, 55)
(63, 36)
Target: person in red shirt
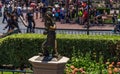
(33, 5)
(85, 17)
(0, 6)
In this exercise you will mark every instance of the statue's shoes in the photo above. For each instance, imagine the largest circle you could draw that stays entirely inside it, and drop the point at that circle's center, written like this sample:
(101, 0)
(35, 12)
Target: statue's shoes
(55, 55)
(40, 54)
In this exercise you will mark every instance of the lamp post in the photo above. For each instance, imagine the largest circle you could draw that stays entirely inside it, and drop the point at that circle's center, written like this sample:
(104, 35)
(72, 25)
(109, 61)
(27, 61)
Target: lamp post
(88, 17)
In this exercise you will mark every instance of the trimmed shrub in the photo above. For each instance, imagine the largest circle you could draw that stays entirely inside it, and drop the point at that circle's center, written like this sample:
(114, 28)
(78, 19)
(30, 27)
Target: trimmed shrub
(17, 49)
(102, 10)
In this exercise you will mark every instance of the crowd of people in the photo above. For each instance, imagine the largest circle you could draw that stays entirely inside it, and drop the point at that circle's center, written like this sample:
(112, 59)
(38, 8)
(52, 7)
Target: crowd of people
(77, 12)
(70, 12)
(12, 11)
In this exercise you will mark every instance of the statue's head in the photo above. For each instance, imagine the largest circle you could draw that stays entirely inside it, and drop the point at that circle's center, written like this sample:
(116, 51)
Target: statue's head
(49, 14)
(49, 8)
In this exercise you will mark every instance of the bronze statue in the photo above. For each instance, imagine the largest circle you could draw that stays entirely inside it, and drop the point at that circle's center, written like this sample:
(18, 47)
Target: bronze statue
(50, 42)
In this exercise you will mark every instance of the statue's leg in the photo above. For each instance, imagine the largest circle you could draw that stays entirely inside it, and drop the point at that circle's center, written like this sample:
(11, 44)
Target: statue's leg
(55, 52)
(55, 48)
(45, 49)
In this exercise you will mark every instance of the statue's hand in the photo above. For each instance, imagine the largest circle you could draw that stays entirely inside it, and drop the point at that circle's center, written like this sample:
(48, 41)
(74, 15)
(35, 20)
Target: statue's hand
(52, 27)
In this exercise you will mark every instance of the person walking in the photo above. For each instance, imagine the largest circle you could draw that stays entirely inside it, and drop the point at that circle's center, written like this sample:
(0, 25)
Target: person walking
(9, 23)
(114, 18)
(1, 9)
(30, 20)
(12, 26)
(37, 11)
(62, 15)
(15, 24)
(85, 18)
(5, 14)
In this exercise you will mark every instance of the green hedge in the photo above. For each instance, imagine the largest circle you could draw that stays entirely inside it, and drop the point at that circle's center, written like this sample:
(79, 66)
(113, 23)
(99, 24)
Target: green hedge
(17, 49)
(102, 10)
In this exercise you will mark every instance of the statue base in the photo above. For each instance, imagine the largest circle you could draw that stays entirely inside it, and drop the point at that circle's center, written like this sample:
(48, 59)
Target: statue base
(48, 65)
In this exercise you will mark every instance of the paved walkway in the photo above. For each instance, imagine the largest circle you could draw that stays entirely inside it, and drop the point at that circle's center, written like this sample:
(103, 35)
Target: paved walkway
(40, 24)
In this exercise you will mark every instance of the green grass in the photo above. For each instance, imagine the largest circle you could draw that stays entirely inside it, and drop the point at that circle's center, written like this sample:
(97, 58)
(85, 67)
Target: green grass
(108, 21)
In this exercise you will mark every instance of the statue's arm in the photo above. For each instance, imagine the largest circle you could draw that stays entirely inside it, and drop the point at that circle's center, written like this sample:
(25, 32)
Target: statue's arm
(53, 26)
